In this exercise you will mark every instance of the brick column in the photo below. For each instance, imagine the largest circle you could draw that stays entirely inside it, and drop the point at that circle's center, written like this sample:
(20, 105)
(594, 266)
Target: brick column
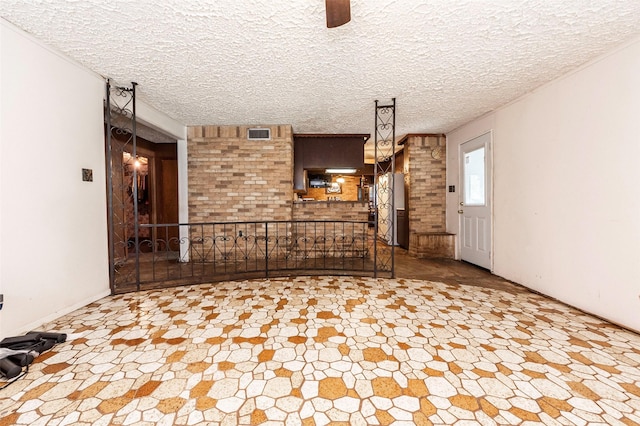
(425, 164)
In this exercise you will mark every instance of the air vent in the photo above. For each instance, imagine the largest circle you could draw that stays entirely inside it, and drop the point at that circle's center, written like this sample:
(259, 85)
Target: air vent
(259, 134)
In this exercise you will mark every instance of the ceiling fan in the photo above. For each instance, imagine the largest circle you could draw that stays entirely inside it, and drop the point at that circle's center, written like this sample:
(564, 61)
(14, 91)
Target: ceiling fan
(338, 12)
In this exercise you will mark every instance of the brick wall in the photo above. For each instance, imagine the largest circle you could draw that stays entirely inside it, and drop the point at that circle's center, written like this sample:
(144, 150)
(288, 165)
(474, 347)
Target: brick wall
(425, 169)
(338, 210)
(235, 179)
(331, 239)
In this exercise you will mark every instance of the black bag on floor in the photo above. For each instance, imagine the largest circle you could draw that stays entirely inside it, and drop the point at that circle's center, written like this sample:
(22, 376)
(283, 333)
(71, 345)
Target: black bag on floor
(19, 352)
(9, 369)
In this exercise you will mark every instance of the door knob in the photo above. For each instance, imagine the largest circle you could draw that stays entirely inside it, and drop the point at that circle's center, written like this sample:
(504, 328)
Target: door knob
(462, 203)
(460, 211)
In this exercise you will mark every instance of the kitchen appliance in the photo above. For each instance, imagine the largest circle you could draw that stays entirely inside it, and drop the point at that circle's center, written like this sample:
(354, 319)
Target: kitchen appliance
(388, 207)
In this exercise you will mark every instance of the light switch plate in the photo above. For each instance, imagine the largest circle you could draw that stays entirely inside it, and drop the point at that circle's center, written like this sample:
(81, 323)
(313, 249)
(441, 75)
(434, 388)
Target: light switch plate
(87, 175)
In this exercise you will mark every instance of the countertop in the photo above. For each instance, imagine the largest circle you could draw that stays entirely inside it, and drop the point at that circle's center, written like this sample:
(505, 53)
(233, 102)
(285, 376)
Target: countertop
(329, 202)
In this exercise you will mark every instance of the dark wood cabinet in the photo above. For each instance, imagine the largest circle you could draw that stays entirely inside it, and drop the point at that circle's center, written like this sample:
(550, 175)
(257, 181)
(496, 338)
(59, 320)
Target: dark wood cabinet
(322, 151)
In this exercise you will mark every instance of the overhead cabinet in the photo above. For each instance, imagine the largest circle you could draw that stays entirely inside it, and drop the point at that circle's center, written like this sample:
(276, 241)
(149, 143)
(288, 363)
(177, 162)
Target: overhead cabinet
(325, 151)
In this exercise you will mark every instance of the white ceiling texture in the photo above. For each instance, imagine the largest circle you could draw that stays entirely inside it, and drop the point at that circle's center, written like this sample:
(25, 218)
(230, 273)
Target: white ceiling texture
(275, 61)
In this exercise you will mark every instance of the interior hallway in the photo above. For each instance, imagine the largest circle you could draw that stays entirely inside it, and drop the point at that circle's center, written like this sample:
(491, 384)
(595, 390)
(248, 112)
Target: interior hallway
(425, 349)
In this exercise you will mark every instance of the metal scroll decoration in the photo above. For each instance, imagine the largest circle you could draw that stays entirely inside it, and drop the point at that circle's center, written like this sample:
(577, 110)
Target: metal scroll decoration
(384, 167)
(122, 188)
(148, 255)
(219, 251)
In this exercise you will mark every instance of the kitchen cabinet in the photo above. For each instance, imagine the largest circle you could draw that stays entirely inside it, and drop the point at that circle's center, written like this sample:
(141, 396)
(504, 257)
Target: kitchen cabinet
(321, 151)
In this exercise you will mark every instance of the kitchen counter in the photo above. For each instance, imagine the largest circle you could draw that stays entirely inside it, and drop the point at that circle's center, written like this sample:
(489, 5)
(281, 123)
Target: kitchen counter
(329, 201)
(331, 210)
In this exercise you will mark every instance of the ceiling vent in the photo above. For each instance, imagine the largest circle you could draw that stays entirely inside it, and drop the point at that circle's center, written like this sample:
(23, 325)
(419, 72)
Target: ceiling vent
(259, 134)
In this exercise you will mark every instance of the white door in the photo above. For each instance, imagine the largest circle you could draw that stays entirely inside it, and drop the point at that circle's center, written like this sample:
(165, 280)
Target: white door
(475, 201)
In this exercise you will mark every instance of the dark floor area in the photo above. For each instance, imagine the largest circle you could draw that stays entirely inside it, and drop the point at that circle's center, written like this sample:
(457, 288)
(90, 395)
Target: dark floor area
(449, 271)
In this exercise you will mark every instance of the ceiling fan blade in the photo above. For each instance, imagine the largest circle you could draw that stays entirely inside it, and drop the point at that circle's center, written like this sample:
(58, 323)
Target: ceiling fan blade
(338, 12)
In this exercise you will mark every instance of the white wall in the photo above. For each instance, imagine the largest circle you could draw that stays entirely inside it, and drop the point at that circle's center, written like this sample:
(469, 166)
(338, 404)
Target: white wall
(53, 230)
(566, 187)
(53, 226)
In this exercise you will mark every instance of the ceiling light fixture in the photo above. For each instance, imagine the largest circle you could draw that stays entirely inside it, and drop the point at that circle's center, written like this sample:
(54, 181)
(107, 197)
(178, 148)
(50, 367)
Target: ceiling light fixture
(340, 171)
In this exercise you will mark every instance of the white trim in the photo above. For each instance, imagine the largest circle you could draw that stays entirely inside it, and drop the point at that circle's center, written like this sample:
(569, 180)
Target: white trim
(183, 197)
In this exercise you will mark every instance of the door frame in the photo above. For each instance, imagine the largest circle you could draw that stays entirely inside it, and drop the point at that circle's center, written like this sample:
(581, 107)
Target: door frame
(489, 175)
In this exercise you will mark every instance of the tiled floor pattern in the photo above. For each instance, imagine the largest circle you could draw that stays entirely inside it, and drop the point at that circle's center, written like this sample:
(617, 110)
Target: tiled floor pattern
(331, 350)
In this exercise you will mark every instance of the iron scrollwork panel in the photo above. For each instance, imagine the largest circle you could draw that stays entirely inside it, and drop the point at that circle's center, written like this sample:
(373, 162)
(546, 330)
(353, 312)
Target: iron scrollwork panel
(384, 168)
(120, 141)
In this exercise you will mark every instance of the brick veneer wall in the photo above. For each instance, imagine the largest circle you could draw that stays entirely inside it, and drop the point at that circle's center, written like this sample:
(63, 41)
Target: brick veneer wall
(331, 239)
(235, 179)
(427, 196)
(331, 210)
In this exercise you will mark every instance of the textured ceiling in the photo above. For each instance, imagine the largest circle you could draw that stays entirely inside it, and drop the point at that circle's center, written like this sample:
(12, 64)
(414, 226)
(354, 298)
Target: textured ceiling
(274, 61)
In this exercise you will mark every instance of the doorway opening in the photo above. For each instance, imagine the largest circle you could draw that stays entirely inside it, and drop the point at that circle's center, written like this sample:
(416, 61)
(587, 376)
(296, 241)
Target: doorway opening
(142, 188)
(137, 183)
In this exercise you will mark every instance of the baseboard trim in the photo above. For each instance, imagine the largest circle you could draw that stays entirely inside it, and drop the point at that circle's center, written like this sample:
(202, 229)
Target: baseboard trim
(38, 323)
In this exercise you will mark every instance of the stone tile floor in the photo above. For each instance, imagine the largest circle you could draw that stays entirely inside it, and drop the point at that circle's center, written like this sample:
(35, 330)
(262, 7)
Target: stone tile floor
(331, 350)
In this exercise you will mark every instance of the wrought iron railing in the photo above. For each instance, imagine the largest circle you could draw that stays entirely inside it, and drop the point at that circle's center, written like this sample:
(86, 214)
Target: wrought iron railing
(178, 254)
